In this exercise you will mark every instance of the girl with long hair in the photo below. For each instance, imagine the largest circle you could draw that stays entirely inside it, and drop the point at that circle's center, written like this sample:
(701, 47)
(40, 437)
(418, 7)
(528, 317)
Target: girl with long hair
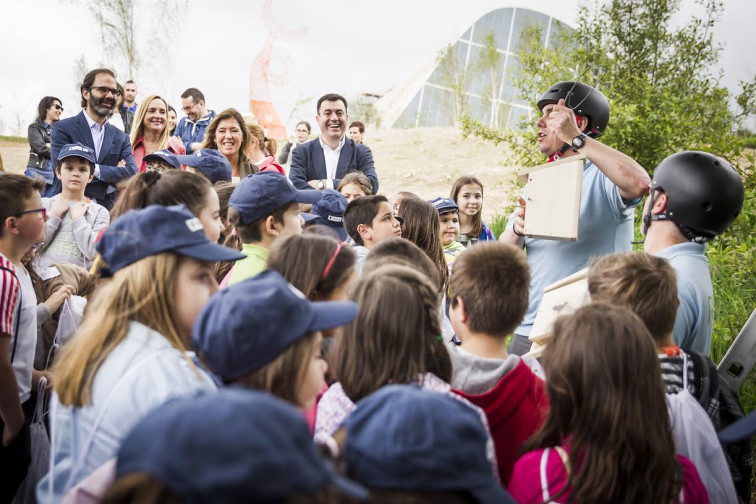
(150, 132)
(607, 436)
(422, 227)
(130, 352)
(467, 193)
(396, 338)
(228, 134)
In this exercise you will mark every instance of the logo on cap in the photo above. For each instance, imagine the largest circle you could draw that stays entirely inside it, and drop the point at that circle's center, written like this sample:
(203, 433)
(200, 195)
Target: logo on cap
(334, 218)
(194, 224)
(76, 147)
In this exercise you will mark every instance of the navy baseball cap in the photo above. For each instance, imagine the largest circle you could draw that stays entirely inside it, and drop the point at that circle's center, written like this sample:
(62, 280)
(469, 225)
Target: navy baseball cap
(238, 445)
(742, 429)
(330, 211)
(249, 324)
(444, 205)
(210, 162)
(148, 231)
(405, 438)
(164, 155)
(260, 194)
(79, 150)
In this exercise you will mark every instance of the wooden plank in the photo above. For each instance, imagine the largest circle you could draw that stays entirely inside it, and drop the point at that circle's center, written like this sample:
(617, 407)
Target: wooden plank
(560, 298)
(553, 199)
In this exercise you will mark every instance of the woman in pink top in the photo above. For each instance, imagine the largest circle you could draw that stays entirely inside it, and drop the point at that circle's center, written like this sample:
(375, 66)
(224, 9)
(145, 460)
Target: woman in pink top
(607, 437)
(150, 131)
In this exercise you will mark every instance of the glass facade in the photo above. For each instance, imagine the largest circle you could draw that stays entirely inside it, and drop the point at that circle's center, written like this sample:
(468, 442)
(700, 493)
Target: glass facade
(489, 97)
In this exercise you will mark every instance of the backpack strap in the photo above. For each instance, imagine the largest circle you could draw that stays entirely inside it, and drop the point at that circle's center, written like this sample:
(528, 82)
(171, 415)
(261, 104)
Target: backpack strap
(17, 319)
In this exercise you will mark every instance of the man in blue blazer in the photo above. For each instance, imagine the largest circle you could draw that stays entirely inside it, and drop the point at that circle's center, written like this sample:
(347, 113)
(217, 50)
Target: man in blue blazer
(115, 160)
(324, 161)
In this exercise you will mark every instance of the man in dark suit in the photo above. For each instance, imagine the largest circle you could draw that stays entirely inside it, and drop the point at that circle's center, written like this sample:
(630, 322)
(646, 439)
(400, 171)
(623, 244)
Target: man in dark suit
(115, 161)
(324, 161)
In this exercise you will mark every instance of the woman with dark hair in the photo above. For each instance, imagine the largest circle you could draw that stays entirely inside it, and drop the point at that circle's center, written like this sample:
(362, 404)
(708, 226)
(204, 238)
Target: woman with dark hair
(302, 135)
(607, 436)
(39, 164)
(228, 134)
(172, 120)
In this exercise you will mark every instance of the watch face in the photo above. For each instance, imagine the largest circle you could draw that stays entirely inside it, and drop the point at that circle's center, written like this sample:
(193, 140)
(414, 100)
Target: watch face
(578, 142)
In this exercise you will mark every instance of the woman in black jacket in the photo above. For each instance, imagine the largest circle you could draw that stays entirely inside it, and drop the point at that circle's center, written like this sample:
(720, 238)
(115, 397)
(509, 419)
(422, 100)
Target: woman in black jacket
(39, 165)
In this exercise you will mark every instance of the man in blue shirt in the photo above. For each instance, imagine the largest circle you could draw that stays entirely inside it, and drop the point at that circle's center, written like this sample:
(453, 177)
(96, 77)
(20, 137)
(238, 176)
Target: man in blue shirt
(694, 197)
(573, 116)
(129, 96)
(191, 128)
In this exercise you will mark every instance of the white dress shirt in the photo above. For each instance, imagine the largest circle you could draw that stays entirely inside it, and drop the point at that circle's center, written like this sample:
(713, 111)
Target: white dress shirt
(331, 160)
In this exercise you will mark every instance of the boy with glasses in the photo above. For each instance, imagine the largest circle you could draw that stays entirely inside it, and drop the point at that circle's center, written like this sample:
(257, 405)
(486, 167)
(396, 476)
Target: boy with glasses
(22, 224)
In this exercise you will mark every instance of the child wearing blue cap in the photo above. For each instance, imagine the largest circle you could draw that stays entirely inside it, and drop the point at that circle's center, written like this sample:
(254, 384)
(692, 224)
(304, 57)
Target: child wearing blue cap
(209, 163)
(234, 446)
(263, 207)
(329, 212)
(74, 221)
(130, 352)
(448, 217)
(263, 333)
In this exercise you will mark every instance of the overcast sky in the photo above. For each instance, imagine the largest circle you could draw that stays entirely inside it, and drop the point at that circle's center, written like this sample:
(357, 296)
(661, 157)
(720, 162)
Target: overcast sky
(347, 46)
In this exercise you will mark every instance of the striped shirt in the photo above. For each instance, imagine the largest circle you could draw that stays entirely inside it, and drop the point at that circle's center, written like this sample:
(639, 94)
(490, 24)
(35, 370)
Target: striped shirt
(9, 295)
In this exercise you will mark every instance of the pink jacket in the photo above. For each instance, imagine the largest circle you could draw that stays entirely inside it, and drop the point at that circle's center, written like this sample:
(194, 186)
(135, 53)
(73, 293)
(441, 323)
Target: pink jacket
(529, 485)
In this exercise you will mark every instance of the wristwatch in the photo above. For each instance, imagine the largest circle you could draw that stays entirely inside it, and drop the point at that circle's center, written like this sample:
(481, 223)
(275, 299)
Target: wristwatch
(578, 142)
(321, 184)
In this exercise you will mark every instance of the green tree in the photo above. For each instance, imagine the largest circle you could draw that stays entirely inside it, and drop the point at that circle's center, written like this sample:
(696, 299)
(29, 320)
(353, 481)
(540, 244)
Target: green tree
(488, 67)
(453, 75)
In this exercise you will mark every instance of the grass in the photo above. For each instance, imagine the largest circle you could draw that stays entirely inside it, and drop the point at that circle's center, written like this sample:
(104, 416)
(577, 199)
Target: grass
(13, 139)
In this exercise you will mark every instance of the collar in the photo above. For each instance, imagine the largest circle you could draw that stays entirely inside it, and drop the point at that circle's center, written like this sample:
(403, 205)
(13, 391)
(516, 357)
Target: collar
(256, 250)
(680, 249)
(91, 122)
(326, 146)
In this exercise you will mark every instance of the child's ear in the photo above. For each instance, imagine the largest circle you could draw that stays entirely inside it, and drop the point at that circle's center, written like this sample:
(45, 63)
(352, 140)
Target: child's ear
(271, 225)
(365, 232)
(459, 306)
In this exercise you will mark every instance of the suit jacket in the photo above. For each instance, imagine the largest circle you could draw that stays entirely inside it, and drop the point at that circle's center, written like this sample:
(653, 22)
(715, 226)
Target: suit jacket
(308, 163)
(115, 147)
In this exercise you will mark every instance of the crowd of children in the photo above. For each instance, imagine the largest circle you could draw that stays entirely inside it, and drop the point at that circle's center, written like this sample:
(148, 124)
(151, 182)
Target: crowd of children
(248, 341)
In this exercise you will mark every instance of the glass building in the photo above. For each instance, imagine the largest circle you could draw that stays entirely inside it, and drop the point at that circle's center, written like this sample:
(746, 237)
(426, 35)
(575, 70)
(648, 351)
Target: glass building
(433, 99)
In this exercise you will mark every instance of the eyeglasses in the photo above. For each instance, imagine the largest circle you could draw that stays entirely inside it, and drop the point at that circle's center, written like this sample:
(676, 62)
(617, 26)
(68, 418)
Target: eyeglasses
(189, 108)
(105, 90)
(36, 210)
(58, 107)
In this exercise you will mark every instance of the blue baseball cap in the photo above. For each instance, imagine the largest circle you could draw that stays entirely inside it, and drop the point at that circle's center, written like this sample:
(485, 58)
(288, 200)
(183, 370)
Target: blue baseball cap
(238, 445)
(405, 438)
(148, 231)
(249, 324)
(164, 155)
(79, 150)
(329, 211)
(259, 195)
(444, 205)
(210, 162)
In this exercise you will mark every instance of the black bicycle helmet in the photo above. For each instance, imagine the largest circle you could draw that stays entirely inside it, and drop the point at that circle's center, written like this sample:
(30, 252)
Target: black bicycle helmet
(584, 100)
(704, 193)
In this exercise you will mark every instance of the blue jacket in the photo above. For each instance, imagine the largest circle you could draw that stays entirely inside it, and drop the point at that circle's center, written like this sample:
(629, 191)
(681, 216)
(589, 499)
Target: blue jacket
(191, 132)
(308, 163)
(115, 147)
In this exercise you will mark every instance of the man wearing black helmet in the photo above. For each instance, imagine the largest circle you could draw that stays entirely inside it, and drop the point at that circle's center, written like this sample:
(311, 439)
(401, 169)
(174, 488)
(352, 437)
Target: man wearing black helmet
(694, 197)
(573, 116)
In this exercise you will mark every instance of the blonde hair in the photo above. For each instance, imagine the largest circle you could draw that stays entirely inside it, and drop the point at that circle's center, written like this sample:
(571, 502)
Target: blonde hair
(143, 292)
(257, 134)
(137, 130)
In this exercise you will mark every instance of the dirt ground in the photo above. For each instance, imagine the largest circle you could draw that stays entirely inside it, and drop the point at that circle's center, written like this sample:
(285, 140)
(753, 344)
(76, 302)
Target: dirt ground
(425, 161)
